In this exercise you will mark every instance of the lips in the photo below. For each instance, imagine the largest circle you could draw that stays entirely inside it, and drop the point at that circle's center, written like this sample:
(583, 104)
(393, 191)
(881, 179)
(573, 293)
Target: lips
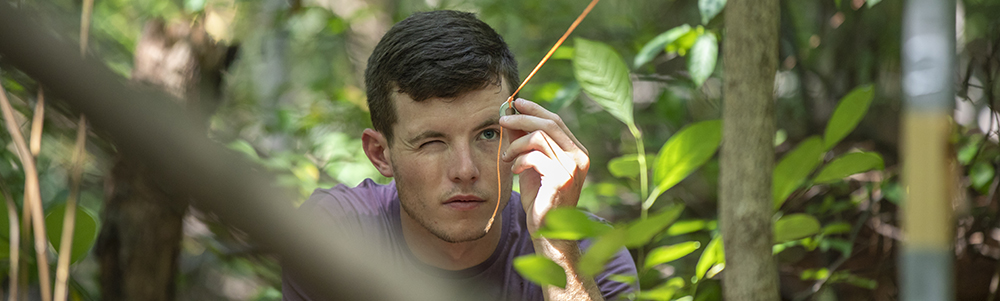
(464, 202)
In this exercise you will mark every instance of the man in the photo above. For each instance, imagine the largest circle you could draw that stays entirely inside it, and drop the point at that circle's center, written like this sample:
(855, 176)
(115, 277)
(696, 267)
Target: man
(435, 84)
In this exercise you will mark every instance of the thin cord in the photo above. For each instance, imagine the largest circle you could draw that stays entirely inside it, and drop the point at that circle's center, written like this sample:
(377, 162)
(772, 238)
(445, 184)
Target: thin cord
(510, 100)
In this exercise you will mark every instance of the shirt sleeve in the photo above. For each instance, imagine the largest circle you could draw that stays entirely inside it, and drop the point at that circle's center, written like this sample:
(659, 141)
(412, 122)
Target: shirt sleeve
(620, 264)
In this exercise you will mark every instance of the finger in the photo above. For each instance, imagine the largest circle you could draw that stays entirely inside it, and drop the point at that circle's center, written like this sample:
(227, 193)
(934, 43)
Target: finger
(539, 141)
(550, 171)
(544, 181)
(529, 123)
(531, 108)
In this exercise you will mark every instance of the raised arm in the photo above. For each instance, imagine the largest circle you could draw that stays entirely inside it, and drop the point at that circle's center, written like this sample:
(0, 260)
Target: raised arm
(552, 165)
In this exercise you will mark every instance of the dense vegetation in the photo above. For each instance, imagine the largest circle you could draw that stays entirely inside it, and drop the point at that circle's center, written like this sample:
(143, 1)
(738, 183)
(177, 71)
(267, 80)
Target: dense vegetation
(640, 86)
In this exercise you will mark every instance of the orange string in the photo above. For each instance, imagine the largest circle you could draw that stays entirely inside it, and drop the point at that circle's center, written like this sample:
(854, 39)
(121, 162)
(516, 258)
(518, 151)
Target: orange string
(510, 100)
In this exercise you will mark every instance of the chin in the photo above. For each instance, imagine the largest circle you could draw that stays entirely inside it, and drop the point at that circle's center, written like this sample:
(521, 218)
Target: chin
(464, 234)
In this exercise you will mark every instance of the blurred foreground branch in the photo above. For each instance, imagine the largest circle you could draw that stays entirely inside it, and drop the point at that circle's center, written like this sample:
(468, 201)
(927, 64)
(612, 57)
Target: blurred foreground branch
(148, 128)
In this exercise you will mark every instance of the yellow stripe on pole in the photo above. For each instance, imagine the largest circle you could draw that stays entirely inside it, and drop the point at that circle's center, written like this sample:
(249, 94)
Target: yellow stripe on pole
(928, 213)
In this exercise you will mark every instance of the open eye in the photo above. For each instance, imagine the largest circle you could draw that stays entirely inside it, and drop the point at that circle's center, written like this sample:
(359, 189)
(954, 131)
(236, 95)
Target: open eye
(489, 134)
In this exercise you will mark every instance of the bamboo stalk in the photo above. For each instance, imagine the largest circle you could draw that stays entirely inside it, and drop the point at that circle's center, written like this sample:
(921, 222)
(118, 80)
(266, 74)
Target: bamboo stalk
(15, 242)
(32, 196)
(88, 8)
(69, 219)
(36, 123)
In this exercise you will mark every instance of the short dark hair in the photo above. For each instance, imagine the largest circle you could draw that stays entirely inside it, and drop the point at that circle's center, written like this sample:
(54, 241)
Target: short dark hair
(435, 54)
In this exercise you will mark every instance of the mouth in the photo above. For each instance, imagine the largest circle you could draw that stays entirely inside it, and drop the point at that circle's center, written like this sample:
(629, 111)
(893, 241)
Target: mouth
(464, 202)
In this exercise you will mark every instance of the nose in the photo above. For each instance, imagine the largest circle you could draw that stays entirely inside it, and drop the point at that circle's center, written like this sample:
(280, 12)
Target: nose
(463, 166)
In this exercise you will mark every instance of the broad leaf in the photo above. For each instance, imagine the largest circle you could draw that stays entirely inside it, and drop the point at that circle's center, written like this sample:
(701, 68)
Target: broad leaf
(710, 8)
(665, 291)
(685, 42)
(683, 153)
(659, 43)
(641, 231)
(564, 53)
(701, 62)
(540, 270)
(570, 224)
(981, 176)
(849, 164)
(795, 226)
(713, 255)
(602, 73)
(793, 169)
(847, 115)
(84, 230)
(603, 248)
(627, 166)
(836, 228)
(686, 226)
(670, 253)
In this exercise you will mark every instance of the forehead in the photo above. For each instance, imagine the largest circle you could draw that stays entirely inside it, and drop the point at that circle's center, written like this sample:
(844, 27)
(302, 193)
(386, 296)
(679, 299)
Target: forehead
(447, 114)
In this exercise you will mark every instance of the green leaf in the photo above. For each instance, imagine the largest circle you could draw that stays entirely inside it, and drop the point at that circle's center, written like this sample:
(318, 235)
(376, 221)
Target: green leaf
(981, 175)
(603, 248)
(244, 147)
(685, 42)
(84, 230)
(602, 73)
(793, 169)
(847, 115)
(627, 279)
(540, 270)
(659, 43)
(709, 9)
(713, 255)
(564, 53)
(570, 224)
(815, 274)
(701, 63)
(970, 149)
(670, 253)
(548, 91)
(795, 226)
(665, 291)
(683, 153)
(641, 231)
(849, 164)
(627, 166)
(686, 226)
(837, 228)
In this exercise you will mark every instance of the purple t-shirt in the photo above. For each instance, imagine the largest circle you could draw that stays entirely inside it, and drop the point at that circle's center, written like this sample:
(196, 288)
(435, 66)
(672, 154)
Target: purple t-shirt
(373, 209)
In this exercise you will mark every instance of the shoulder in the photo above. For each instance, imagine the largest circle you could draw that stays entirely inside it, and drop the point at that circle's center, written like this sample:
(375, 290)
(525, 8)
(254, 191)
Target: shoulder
(368, 198)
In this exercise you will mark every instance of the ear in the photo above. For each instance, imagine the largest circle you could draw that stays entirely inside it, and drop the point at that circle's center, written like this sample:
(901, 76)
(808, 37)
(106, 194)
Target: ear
(377, 149)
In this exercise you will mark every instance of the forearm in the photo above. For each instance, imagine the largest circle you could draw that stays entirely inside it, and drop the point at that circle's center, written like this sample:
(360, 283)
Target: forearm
(567, 254)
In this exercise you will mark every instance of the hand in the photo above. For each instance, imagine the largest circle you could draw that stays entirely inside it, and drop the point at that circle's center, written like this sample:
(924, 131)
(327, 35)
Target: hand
(551, 162)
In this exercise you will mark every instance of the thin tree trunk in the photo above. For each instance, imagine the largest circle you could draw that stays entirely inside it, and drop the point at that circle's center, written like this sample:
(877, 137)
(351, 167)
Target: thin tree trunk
(750, 53)
(139, 244)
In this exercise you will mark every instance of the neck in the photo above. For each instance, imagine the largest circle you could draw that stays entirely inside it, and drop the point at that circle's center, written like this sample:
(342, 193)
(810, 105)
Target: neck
(433, 251)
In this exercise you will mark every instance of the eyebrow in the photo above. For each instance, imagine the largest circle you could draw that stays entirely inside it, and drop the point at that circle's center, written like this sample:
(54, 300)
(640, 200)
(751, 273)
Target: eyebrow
(435, 134)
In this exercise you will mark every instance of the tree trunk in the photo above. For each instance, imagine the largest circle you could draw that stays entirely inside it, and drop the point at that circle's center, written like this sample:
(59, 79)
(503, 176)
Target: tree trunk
(750, 57)
(139, 243)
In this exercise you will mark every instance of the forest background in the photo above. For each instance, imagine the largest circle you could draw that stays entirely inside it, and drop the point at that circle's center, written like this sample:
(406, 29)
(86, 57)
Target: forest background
(280, 82)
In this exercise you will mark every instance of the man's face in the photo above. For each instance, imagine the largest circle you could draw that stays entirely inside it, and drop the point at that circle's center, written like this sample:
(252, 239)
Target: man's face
(443, 156)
